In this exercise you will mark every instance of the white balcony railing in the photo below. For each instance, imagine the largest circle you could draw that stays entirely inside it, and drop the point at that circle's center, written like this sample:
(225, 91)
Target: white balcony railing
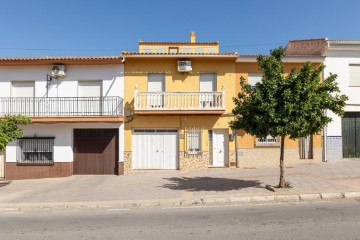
(180, 100)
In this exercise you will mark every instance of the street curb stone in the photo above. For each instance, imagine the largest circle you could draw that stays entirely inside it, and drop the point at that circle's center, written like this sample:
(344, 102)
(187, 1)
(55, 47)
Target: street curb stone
(328, 196)
(287, 198)
(262, 199)
(352, 195)
(310, 197)
(175, 202)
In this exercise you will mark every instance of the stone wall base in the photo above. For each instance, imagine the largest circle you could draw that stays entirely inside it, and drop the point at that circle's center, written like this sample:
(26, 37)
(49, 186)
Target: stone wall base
(258, 157)
(16, 172)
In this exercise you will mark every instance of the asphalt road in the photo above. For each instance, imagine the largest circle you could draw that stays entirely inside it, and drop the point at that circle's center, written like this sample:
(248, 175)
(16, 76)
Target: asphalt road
(321, 220)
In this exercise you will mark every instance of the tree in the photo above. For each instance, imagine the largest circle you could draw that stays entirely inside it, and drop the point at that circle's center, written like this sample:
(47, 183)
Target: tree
(286, 106)
(9, 129)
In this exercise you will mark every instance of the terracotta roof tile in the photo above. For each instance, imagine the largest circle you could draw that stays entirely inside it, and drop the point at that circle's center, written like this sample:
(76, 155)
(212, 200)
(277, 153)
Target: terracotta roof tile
(306, 47)
(60, 59)
(74, 58)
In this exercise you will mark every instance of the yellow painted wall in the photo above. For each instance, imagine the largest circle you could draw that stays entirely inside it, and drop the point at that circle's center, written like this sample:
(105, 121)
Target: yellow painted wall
(246, 140)
(183, 48)
(136, 74)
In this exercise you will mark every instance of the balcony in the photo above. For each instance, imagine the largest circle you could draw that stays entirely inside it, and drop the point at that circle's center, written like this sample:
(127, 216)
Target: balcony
(64, 109)
(179, 102)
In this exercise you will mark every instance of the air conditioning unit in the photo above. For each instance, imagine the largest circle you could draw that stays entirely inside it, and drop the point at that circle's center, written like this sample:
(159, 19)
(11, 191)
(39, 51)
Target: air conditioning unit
(184, 66)
(58, 71)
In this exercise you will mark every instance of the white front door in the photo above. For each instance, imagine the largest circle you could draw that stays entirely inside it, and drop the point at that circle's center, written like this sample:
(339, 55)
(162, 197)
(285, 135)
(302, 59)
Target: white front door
(156, 85)
(220, 146)
(155, 149)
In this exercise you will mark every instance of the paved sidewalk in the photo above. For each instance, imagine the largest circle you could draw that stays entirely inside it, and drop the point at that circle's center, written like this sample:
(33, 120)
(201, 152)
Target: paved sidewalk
(149, 186)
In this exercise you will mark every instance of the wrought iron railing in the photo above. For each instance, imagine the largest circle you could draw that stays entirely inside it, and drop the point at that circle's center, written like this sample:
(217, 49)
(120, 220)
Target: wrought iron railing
(61, 106)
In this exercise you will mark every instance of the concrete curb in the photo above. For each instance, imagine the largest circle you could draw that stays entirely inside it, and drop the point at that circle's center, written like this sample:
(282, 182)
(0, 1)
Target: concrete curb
(240, 200)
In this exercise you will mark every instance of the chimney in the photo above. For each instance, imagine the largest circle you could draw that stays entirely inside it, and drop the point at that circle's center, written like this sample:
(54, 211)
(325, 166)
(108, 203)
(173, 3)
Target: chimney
(192, 37)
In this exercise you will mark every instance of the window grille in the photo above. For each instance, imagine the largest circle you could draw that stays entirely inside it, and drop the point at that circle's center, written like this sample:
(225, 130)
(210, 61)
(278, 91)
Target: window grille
(35, 151)
(268, 141)
(193, 141)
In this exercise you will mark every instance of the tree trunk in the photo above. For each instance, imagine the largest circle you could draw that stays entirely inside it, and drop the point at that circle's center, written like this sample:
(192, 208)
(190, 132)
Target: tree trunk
(282, 178)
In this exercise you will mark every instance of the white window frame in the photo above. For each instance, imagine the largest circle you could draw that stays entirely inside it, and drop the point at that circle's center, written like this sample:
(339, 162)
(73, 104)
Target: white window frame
(268, 141)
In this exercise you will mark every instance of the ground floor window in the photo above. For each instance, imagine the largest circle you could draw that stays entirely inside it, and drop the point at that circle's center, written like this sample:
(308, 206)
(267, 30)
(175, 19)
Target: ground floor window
(35, 151)
(268, 141)
(193, 140)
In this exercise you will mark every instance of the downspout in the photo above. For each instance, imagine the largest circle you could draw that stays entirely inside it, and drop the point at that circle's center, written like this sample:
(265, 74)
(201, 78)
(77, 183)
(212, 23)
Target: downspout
(236, 150)
(325, 141)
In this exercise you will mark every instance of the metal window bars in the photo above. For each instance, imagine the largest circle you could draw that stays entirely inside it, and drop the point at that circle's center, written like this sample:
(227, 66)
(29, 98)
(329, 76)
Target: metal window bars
(35, 151)
(193, 141)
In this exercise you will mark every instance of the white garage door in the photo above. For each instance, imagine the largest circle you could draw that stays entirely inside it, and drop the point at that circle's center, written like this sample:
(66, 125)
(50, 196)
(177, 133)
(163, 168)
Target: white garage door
(155, 149)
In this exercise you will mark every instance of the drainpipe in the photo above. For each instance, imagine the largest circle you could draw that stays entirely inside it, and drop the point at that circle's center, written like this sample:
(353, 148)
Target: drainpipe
(325, 141)
(236, 150)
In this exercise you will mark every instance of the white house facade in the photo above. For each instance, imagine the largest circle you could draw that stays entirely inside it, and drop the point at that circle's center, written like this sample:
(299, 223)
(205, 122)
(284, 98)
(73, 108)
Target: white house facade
(343, 133)
(77, 116)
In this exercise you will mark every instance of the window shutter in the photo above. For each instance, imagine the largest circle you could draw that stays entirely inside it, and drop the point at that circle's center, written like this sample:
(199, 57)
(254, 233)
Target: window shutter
(90, 88)
(156, 82)
(254, 78)
(207, 82)
(354, 76)
(23, 89)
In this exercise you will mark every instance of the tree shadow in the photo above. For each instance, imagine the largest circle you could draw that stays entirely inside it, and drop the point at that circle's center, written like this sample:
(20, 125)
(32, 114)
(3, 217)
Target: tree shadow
(210, 184)
(5, 183)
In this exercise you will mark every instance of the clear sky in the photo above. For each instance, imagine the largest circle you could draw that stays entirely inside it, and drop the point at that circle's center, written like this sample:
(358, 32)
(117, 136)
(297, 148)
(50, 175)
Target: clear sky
(106, 27)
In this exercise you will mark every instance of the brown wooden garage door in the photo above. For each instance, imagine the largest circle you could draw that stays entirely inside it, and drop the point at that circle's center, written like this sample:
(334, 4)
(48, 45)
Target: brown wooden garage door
(96, 151)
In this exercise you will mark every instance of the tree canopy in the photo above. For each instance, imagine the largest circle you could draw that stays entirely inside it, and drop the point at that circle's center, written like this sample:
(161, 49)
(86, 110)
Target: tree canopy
(291, 104)
(9, 129)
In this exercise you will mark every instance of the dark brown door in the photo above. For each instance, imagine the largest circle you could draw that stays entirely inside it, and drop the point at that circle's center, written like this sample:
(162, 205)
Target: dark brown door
(95, 151)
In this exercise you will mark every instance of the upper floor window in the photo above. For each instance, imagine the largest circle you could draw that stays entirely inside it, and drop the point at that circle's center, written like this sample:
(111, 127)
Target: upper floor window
(354, 75)
(186, 49)
(173, 50)
(160, 49)
(254, 78)
(199, 50)
(211, 50)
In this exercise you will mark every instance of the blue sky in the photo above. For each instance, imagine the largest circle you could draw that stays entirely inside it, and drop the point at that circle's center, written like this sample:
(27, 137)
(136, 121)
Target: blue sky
(106, 27)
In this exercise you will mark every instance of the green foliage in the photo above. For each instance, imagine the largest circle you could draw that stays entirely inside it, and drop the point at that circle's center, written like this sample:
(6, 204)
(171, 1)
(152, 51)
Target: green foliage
(9, 129)
(291, 105)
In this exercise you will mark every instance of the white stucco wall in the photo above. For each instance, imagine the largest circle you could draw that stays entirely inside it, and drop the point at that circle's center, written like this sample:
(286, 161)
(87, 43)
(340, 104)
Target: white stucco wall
(112, 77)
(337, 62)
(63, 133)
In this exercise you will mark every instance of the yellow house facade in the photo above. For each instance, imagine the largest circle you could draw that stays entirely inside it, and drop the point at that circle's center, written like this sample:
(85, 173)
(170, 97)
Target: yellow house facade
(178, 104)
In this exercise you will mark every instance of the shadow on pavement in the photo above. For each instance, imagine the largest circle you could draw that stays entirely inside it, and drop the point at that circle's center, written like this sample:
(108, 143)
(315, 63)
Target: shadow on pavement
(3, 184)
(209, 184)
